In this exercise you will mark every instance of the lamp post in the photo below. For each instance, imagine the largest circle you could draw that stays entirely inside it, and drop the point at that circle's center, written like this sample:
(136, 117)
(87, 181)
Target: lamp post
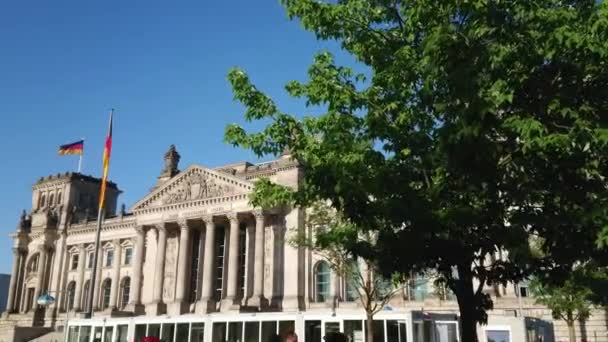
(47, 300)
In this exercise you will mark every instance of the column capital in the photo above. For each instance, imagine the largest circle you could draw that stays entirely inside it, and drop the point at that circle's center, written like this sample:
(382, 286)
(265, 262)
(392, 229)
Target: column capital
(258, 213)
(140, 229)
(183, 223)
(160, 227)
(232, 217)
(116, 242)
(208, 219)
(42, 248)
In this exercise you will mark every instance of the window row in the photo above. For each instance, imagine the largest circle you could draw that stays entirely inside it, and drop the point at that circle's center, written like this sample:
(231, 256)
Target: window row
(107, 257)
(415, 289)
(49, 199)
(104, 298)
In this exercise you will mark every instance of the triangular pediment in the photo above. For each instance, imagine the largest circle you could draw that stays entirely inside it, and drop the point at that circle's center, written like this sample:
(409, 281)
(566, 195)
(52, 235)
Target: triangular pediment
(193, 184)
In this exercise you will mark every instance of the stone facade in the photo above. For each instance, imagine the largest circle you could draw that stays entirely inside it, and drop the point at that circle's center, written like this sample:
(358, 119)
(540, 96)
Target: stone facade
(195, 249)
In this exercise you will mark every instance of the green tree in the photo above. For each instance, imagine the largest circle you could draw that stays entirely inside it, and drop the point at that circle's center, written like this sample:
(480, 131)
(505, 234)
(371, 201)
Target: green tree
(329, 235)
(474, 114)
(569, 301)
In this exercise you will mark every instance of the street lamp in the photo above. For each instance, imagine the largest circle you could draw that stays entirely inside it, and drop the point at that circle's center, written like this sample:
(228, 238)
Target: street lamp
(47, 300)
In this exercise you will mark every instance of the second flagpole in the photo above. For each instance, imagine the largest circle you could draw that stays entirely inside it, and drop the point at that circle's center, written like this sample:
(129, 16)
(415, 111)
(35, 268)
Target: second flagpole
(100, 216)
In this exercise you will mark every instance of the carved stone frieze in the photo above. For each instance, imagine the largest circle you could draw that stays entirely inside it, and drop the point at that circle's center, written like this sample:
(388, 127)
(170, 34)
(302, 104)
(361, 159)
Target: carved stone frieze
(197, 186)
(194, 185)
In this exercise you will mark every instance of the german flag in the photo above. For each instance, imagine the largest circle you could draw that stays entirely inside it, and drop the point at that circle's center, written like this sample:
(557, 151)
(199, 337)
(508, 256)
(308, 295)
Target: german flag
(106, 164)
(73, 148)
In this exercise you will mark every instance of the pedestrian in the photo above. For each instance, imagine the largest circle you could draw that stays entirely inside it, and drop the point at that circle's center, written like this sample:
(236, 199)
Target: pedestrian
(291, 337)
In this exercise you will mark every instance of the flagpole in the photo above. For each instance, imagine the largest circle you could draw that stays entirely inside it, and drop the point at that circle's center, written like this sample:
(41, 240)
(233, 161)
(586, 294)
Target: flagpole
(89, 307)
(100, 216)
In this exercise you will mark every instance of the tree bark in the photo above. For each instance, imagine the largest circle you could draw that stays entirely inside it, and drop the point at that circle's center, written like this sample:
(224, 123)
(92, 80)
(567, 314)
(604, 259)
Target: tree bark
(571, 330)
(465, 295)
(369, 327)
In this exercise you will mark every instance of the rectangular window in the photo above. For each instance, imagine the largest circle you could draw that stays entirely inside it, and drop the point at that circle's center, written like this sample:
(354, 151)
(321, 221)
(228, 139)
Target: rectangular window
(219, 332)
(498, 336)
(354, 330)
(445, 332)
(197, 333)
(422, 331)
(85, 334)
(395, 331)
(140, 332)
(74, 262)
(73, 334)
(312, 331)
(128, 255)
(90, 260)
(269, 330)
(194, 266)
(109, 257)
(235, 331)
(154, 330)
(219, 262)
(168, 330)
(97, 337)
(252, 331)
(378, 330)
(182, 332)
(121, 333)
(286, 327)
(242, 261)
(107, 335)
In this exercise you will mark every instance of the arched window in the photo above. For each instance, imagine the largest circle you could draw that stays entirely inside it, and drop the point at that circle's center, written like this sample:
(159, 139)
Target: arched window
(322, 281)
(33, 265)
(70, 291)
(43, 201)
(59, 197)
(51, 199)
(125, 289)
(85, 295)
(106, 287)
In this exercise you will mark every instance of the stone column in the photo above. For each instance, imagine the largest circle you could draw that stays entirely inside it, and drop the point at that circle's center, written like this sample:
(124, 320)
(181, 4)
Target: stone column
(61, 300)
(19, 294)
(41, 272)
(182, 268)
(80, 281)
(233, 261)
(115, 275)
(207, 302)
(258, 274)
(58, 272)
(157, 307)
(10, 305)
(138, 263)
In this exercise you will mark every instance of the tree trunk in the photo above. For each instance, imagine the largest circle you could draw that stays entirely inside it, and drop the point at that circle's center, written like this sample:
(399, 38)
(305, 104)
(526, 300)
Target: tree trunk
(465, 296)
(369, 327)
(571, 330)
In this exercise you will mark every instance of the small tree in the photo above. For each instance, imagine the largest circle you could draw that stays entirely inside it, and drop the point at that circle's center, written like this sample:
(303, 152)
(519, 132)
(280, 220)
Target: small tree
(569, 301)
(334, 239)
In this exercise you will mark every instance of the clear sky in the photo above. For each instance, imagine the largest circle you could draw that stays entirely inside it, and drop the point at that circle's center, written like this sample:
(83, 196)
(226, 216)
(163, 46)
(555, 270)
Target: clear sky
(161, 65)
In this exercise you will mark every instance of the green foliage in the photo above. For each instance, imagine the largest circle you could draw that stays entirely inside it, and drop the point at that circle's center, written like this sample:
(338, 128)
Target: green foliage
(476, 113)
(569, 301)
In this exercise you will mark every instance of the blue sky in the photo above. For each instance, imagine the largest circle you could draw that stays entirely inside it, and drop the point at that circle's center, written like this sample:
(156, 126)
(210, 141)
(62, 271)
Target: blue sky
(162, 66)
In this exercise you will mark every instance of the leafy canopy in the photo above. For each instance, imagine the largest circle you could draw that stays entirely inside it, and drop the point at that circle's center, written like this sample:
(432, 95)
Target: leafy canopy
(482, 123)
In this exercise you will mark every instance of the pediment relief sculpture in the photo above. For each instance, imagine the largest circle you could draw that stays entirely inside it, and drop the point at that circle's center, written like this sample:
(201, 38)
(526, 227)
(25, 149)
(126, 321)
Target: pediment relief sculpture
(195, 183)
(197, 186)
